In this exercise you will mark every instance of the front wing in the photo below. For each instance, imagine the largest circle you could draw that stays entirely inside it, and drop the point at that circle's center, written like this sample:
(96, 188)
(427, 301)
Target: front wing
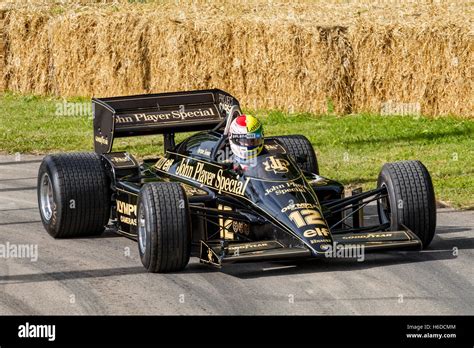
(220, 252)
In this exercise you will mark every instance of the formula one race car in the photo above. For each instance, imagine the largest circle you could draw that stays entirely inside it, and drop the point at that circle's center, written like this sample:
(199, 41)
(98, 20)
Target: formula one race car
(191, 201)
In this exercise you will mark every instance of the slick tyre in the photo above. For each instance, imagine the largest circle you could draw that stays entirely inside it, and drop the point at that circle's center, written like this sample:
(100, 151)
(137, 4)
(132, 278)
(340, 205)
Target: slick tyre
(164, 227)
(73, 195)
(411, 199)
(300, 146)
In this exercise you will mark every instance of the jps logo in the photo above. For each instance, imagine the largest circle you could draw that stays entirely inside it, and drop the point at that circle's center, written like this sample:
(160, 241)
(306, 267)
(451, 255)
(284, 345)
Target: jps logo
(278, 165)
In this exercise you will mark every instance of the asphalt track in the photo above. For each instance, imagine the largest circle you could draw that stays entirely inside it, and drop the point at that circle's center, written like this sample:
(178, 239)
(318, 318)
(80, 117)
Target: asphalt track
(104, 275)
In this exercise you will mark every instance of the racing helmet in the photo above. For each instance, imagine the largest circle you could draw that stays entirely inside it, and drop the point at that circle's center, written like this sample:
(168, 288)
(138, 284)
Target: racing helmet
(246, 137)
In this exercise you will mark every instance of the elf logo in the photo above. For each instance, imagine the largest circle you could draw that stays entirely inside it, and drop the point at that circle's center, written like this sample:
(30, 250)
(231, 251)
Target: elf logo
(37, 331)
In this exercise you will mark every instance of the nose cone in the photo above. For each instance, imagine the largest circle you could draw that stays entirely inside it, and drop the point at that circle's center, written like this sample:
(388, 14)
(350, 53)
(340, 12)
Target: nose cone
(294, 207)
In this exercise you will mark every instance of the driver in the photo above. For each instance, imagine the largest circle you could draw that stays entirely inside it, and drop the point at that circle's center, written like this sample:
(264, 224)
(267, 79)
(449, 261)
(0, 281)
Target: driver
(246, 138)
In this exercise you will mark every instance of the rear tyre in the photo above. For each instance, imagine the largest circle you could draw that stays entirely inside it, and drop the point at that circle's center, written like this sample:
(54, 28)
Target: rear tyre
(164, 227)
(411, 199)
(298, 146)
(73, 195)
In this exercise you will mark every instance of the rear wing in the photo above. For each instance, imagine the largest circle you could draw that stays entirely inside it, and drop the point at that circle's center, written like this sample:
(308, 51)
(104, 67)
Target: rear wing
(164, 113)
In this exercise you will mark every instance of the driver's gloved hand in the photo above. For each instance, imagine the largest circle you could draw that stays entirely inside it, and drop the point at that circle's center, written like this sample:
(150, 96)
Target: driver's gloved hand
(239, 169)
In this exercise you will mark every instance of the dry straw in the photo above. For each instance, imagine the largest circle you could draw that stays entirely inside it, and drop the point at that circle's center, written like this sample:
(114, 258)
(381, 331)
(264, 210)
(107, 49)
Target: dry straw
(297, 56)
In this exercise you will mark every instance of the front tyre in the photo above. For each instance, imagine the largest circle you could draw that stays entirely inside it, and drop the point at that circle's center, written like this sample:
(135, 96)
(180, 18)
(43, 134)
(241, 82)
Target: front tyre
(73, 195)
(164, 227)
(411, 199)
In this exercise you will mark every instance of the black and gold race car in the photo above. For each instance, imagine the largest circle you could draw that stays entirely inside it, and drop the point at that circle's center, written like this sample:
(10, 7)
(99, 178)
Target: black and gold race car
(193, 201)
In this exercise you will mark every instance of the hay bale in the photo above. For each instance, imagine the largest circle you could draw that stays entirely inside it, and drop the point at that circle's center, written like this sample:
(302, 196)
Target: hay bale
(2, 50)
(296, 56)
(286, 66)
(96, 55)
(413, 65)
(28, 55)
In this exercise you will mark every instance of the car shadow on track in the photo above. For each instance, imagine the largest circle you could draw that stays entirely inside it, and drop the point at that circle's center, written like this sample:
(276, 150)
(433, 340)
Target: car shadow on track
(69, 275)
(439, 250)
(451, 229)
(443, 247)
(9, 163)
(18, 179)
(106, 234)
(11, 189)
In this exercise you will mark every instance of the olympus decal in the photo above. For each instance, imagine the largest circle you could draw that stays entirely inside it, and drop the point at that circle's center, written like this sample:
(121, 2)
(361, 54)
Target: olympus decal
(130, 210)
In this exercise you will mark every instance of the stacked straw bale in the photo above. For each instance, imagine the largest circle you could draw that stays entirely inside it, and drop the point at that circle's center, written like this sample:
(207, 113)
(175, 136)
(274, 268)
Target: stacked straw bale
(2, 50)
(429, 66)
(300, 56)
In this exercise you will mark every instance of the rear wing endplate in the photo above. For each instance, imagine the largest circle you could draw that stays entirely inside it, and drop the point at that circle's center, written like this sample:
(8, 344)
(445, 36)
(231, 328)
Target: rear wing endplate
(164, 113)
